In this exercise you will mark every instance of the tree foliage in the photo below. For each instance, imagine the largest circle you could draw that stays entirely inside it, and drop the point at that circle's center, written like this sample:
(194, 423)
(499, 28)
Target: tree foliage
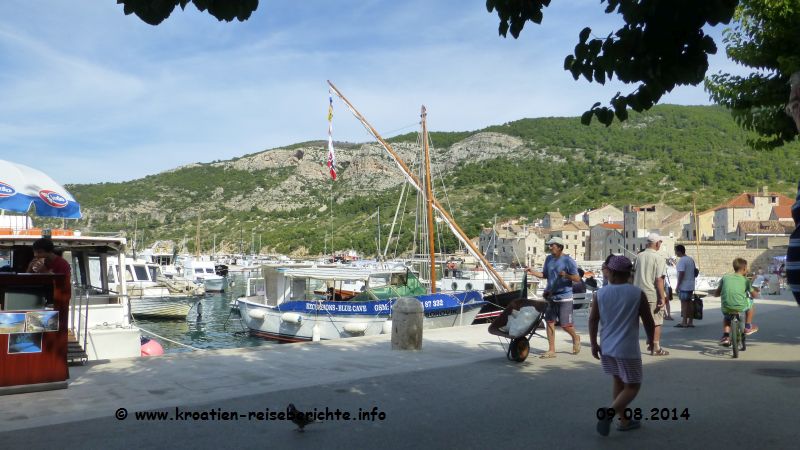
(154, 12)
(662, 45)
(764, 38)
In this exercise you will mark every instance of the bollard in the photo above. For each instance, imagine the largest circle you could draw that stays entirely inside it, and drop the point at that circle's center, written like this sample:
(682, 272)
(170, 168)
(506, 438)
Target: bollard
(407, 316)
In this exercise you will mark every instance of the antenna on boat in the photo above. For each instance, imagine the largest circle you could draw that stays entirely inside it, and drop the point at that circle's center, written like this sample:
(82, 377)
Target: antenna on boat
(415, 182)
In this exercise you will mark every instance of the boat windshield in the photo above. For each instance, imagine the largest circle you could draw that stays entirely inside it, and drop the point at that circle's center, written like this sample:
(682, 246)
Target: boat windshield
(402, 285)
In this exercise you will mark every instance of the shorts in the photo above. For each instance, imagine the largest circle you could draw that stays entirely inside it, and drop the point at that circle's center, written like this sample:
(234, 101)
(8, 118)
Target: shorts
(629, 370)
(560, 311)
(658, 317)
(685, 296)
(727, 317)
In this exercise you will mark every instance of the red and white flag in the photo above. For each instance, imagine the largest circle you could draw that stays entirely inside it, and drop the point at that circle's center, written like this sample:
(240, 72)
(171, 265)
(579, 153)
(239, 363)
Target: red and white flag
(331, 154)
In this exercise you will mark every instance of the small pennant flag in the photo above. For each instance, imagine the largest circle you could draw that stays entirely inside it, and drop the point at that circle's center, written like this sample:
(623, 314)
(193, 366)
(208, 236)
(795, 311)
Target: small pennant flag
(331, 154)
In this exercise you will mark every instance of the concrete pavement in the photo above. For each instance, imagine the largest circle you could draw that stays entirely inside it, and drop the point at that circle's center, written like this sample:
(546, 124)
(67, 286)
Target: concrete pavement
(459, 391)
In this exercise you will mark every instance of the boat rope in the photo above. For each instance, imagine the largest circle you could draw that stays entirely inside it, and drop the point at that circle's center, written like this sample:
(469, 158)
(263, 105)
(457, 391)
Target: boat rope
(241, 321)
(136, 324)
(402, 220)
(394, 221)
(168, 340)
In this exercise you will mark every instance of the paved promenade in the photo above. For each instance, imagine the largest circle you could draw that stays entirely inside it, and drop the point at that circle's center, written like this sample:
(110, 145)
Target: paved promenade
(458, 392)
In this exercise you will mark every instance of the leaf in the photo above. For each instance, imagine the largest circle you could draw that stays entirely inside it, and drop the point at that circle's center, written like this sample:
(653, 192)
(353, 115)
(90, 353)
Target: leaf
(568, 61)
(586, 71)
(503, 28)
(621, 113)
(584, 35)
(600, 76)
(586, 118)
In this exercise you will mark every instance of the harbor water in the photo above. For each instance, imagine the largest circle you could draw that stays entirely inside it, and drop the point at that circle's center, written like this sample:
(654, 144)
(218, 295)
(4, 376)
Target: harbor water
(215, 328)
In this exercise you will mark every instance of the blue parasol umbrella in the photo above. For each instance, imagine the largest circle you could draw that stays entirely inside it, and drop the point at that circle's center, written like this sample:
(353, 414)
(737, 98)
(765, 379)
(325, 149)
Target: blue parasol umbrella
(22, 185)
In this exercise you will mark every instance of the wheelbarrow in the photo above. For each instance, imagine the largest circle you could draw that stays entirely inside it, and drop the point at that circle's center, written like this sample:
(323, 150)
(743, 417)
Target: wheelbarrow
(519, 345)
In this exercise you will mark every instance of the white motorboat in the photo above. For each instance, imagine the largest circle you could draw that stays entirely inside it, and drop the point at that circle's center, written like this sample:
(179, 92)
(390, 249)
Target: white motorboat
(99, 318)
(153, 295)
(203, 271)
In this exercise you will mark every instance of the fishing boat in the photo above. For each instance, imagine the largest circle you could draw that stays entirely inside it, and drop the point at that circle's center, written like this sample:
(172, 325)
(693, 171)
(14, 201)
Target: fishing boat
(302, 304)
(290, 307)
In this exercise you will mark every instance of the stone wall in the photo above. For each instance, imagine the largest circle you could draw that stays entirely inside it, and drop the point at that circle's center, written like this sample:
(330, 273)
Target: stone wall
(716, 258)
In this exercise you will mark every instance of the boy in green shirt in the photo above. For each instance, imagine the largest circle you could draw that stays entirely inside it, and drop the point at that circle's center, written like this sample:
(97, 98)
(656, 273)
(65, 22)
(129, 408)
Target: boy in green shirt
(737, 295)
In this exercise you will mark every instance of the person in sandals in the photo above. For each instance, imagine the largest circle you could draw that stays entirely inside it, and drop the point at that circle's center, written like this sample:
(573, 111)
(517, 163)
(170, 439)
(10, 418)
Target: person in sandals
(648, 275)
(561, 271)
(617, 308)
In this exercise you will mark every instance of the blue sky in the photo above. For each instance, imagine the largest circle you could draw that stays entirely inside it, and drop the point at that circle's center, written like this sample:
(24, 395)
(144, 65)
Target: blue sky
(91, 95)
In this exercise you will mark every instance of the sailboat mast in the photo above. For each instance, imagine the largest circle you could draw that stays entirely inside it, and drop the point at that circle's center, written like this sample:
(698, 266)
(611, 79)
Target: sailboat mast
(197, 238)
(418, 186)
(428, 197)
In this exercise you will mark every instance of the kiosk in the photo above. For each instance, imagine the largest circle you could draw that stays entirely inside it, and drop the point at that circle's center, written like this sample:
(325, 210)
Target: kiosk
(33, 332)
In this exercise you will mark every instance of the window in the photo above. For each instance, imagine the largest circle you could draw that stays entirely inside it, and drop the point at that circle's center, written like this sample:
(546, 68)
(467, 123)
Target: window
(141, 272)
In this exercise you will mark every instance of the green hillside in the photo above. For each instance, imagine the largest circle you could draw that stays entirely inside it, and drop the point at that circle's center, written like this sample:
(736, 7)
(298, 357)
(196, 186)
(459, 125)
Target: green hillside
(668, 154)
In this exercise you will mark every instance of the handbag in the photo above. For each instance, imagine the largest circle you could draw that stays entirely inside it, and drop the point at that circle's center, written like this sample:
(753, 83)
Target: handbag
(698, 308)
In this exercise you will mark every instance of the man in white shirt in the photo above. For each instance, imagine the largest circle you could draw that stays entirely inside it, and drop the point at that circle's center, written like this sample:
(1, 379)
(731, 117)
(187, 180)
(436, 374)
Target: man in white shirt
(648, 275)
(686, 276)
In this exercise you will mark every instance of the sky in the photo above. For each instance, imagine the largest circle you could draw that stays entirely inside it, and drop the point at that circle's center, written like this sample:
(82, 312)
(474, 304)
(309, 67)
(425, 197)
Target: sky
(91, 95)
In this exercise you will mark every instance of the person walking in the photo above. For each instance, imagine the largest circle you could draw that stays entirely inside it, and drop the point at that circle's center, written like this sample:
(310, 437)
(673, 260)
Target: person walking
(648, 276)
(686, 284)
(617, 308)
(561, 271)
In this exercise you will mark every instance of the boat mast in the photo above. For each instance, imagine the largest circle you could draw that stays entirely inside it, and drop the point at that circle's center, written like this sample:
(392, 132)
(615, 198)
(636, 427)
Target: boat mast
(414, 180)
(429, 198)
(197, 238)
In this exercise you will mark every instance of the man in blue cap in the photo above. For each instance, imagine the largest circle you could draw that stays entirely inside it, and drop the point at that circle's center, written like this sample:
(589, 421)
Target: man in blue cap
(561, 271)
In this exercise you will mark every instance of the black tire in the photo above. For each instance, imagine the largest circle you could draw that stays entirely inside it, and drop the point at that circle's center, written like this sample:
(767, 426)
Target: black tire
(518, 349)
(735, 337)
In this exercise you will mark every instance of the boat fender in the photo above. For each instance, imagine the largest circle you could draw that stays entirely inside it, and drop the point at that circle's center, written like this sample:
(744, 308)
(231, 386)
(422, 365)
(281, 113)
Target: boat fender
(355, 327)
(387, 327)
(150, 347)
(291, 317)
(256, 314)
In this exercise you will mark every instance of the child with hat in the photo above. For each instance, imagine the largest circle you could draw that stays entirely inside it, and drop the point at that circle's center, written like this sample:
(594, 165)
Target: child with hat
(617, 308)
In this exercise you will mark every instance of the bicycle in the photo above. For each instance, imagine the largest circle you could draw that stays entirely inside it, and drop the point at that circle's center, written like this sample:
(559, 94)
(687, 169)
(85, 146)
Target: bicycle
(737, 334)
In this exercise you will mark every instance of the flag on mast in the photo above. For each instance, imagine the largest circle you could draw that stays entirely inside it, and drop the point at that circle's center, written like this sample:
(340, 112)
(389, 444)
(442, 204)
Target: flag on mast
(331, 154)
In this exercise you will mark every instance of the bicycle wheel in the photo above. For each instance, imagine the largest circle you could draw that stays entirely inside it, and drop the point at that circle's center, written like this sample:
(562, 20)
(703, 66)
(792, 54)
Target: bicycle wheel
(735, 336)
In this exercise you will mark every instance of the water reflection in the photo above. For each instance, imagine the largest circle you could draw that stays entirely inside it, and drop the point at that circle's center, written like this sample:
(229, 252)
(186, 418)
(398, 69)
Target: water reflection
(209, 325)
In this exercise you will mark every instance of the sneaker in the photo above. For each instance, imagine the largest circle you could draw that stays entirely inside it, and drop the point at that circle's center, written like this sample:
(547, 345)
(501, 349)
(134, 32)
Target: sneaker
(751, 330)
(725, 341)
